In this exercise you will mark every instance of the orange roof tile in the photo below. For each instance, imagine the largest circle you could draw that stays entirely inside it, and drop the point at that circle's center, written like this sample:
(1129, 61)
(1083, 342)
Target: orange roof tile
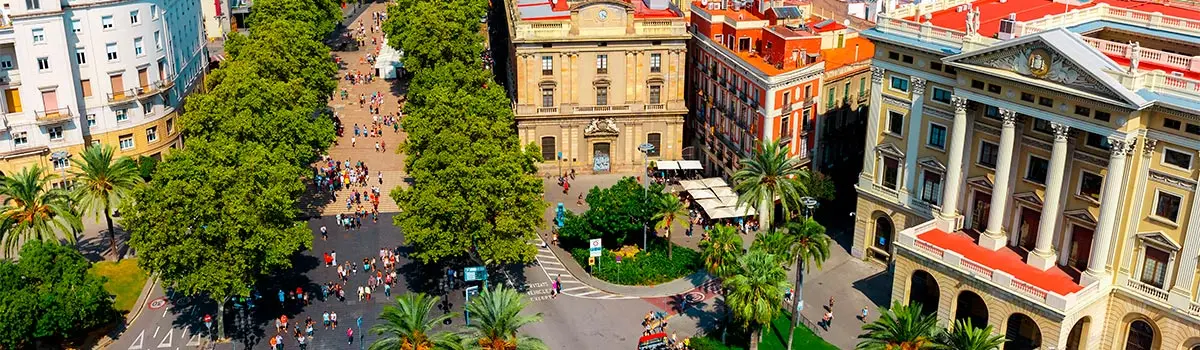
(844, 55)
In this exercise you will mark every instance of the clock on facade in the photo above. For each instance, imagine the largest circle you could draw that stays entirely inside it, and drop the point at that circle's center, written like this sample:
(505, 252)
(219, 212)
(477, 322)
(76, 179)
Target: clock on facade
(603, 15)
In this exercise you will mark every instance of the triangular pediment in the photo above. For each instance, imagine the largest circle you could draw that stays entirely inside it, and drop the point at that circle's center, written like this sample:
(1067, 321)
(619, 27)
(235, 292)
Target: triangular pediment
(1159, 239)
(889, 149)
(1055, 59)
(932, 163)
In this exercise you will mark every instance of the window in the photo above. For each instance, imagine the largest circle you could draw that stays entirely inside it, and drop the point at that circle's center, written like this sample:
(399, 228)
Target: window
(547, 97)
(941, 95)
(1177, 158)
(86, 86)
(1036, 172)
(76, 27)
(895, 122)
(81, 55)
(787, 98)
(111, 49)
(33, 4)
(1046, 101)
(993, 88)
(106, 22)
(1171, 123)
(975, 84)
(785, 126)
(157, 40)
(547, 65)
(931, 188)
(151, 134)
(1166, 206)
(862, 86)
(20, 138)
(147, 107)
(1154, 267)
(1141, 335)
(59, 164)
(122, 115)
(134, 18)
(899, 84)
(1083, 111)
(1193, 129)
(601, 64)
(138, 49)
(891, 172)
(1089, 185)
(6, 62)
(655, 94)
(1027, 97)
(807, 91)
(39, 35)
(91, 119)
(43, 63)
(55, 133)
(601, 95)
(153, 12)
(170, 126)
(988, 153)
(893, 55)
(655, 63)
(654, 139)
(126, 141)
(1042, 125)
(906, 59)
(1098, 141)
(937, 136)
(832, 95)
(1103, 116)
(935, 66)
(548, 151)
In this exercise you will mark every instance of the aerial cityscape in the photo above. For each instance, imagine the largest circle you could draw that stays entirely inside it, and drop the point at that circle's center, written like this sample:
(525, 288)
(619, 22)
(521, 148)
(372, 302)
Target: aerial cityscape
(600, 174)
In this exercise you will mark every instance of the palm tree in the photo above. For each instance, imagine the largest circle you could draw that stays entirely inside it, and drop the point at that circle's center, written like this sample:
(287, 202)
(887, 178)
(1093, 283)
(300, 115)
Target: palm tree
(721, 251)
(496, 316)
(769, 173)
(901, 327)
(669, 209)
(774, 242)
(964, 336)
(103, 183)
(809, 245)
(408, 325)
(756, 293)
(32, 210)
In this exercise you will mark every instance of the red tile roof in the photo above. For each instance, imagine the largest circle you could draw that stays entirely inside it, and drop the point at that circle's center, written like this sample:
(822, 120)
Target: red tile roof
(1006, 260)
(992, 11)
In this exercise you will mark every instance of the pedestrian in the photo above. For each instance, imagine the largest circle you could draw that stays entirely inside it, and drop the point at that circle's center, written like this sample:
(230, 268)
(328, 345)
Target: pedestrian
(281, 297)
(360, 293)
(380, 177)
(324, 233)
(333, 319)
(376, 146)
(387, 290)
(863, 317)
(274, 343)
(325, 319)
(831, 303)
(557, 284)
(349, 335)
(300, 339)
(333, 254)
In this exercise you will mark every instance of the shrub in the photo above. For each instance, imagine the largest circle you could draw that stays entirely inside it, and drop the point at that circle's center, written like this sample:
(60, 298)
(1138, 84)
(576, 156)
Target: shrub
(645, 268)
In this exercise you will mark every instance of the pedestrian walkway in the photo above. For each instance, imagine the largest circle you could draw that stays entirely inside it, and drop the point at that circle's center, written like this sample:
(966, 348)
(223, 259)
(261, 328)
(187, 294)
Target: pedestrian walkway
(571, 286)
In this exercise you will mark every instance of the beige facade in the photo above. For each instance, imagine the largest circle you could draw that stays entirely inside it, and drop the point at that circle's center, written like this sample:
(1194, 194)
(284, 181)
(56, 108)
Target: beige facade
(596, 84)
(1035, 182)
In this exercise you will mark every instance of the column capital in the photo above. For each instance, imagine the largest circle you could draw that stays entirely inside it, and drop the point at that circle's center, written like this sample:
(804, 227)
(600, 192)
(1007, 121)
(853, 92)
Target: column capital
(1061, 131)
(1008, 117)
(960, 104)
(877, 74)
(1119, 146)
(918, 86)
(1148, 146)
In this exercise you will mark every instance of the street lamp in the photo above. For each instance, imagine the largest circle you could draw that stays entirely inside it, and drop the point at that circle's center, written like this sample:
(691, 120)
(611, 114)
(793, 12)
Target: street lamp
(809, 203)
(646, 148)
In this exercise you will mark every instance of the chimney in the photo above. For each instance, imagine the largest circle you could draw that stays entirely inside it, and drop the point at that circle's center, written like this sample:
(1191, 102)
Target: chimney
(855, 52)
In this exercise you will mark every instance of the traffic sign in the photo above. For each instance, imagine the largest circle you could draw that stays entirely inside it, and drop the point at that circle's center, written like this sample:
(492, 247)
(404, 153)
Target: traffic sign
(594, 247)
(618, 259)
(591, 260)
(474, 273)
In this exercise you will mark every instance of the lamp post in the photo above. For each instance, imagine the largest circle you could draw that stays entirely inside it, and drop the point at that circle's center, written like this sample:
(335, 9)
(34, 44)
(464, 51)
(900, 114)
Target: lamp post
(809, 203)
(646, 148)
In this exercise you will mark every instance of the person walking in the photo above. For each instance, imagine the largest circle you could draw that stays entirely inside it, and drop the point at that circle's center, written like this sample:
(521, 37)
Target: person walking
(325, 319)
(349, 335)
(324, 233)
(333, 319)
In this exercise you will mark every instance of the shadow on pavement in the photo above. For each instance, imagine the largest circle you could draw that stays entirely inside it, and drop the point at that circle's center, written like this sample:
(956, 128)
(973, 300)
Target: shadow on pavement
(877, 287)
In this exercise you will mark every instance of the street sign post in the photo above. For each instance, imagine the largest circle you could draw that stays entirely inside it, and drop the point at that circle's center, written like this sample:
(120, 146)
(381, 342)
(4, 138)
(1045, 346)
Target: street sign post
(467, 294)
(475, 273)
(594, 247)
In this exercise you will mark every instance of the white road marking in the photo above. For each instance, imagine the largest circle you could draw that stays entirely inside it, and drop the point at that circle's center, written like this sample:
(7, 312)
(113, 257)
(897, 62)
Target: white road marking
(137, 342)
(550, 262)
(553, 268)
(164, 313)
(155, 336)
(566, 277)
(591, 292)
(166, 342)
(195, 341)
(575, 288)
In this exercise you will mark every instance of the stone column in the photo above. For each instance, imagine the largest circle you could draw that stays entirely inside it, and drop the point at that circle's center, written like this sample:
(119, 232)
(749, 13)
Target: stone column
(994, 236)
(630, 76)
(1187, 261)
(522, 61)
(916, 114)
(1043, 255)
(1110, 209)
(867, 176)
(639, 77)
(954, 171)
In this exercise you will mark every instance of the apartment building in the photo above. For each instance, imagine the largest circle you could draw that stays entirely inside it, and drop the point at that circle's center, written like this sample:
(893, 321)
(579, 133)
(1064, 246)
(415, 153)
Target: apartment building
(85, 72)
(1032, 165)
(593, 80)
(757, 74)
(224, 16)
(842, 113)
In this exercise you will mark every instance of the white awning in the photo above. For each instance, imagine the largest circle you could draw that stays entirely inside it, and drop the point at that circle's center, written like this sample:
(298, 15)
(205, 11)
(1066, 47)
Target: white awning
(667, 165)
(702, 193)
(714, 182)
(723, 191)
(745, 210)
(721, 213)
(728, 201)
(709, 204)
(690, 165)
(691, 184)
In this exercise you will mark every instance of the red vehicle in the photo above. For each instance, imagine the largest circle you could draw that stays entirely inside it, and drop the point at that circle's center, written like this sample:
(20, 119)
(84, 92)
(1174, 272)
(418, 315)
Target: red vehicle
(657, 341)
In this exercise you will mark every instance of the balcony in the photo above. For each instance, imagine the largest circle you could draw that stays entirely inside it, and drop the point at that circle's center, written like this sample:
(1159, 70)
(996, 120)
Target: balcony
(123, 96)
(547, 110)
(52, 116)
(1003, 269)
(1147, 289)
(240, 6)
(602, 109)
(10, 77)
(787, 108)
(655, 107)
(156, 88)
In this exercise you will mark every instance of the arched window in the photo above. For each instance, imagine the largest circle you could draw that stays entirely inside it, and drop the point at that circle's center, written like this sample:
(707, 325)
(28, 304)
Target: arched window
(1141, 336)
(549, 153)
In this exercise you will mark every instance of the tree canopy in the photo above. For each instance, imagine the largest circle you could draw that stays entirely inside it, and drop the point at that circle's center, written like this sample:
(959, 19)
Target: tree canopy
(320, 17)
(280, 50)
(615, 213)
(432, 33)
(49, 296)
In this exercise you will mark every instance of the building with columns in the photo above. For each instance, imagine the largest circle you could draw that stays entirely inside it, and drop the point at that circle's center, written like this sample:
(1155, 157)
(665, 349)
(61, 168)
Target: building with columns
(1032, 165)
(757, 73)
(592, 80)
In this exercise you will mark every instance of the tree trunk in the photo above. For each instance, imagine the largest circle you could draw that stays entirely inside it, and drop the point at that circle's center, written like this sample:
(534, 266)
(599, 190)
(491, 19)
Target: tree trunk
(796, 300)
(765, 212)
(669, 238)
(221, 319)
(755, 338)
(112, 233)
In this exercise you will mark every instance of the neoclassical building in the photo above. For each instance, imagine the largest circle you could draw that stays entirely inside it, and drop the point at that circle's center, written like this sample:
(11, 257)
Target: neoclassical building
(593, 80)
(1032, 165)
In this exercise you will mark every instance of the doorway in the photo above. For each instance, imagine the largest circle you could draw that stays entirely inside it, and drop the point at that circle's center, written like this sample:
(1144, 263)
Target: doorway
(1081, 247)
(1022, 333)
(979, 211)
(601, 160)
(923, 290)
(883, 239)
(1028, 229)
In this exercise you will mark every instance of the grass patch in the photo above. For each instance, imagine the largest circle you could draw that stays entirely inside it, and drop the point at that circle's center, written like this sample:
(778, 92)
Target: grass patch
(773, 338)
(646, 268)
(125, 281)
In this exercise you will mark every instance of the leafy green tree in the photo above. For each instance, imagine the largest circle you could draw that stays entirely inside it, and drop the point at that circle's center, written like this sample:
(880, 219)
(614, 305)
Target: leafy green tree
(619, 211)
(496, 319)
(50, 297)
(103, 184)
(320, 17)
(433, 33)
(217, 217)
(669, 209)
(767, 174)
(146, 167)
(282, 51)
(409, 324)
(818, 186)
(34, 211)
(901, 327)
(965, 336)
(809, 246)
(756, 292)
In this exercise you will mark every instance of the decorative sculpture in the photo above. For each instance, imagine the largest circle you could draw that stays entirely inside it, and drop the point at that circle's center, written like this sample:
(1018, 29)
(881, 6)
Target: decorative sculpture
(1135, 51)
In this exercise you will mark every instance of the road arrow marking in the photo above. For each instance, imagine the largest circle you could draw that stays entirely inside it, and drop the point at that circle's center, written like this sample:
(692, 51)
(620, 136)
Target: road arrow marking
(137, 342)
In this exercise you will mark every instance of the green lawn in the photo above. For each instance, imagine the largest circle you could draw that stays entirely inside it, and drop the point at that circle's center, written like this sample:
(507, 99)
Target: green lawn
(125, 281)
(773, 339)
(646, 268)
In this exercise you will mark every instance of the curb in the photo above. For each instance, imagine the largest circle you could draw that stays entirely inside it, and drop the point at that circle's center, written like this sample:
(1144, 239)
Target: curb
(608, 287)
(146, 290)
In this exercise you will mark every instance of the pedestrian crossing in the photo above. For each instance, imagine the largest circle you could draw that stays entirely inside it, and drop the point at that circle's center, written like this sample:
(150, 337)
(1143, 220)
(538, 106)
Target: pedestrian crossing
(571, 286)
